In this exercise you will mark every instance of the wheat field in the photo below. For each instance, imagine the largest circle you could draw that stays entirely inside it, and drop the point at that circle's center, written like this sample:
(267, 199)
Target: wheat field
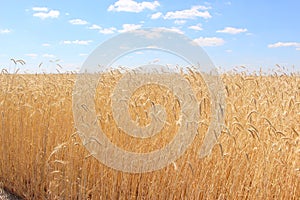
(257, 155)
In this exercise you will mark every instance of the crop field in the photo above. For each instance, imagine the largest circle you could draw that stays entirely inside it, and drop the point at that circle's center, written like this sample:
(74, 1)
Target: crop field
(257, 155)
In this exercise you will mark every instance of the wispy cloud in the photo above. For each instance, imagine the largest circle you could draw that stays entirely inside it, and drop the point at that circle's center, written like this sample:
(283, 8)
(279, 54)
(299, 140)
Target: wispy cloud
(31, 55)
(194, 12)
(209, 41)
(78, 22)
(197, 27)
(46, 45)
(83, 54)
(40, 9)
(180, 22)
(133, 6)
(44, 13)
(130, 27)
(156, 15)
(285, 44)
(232, 30)
(46, 55)
(79, 42)
(5, 31)
(102, 30)
(174, 29)
(95, 27)
(109, 30)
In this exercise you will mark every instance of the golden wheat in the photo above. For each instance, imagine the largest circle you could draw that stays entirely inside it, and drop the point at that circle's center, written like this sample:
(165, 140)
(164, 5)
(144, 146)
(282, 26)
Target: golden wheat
(257, 156)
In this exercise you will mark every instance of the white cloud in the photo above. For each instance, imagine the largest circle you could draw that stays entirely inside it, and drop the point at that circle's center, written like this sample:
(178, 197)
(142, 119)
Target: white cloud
(156, 60)
(189, 13)
(95, 27)
(48, 55)
(209, 41)
(199, 7)
(179, 22)
(32, 55)
(46, 45)
(5, 31)
(44, 15)
(83, 54)
(232, 30)
(150, 35)
(197, 27)
(174, 29)
(110, 30)
(133, 6)
(78, 22)
(67, 42)
(228, 51)
(156, 15)
(298, 48)
(79, 42)
(40, 9)
(130, 27)
(285, 44)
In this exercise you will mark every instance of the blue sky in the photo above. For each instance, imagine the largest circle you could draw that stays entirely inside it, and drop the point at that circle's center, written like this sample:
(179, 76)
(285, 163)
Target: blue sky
(250, 33)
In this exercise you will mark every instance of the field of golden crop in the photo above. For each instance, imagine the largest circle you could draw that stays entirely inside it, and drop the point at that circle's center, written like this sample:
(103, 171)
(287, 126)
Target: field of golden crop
(257, 155)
